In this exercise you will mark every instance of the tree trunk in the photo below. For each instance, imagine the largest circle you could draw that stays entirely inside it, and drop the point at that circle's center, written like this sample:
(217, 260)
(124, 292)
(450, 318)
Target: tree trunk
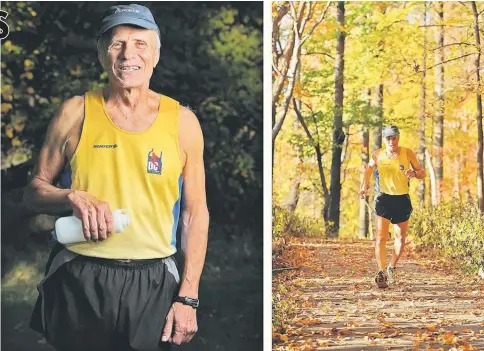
(282, 62)
(480, 161)
(338, 134)
(301, 16)
(378, 118)
(293, 198)
(463, 164)
(319, 158)
(438, 141)
(433, 185)
(365, 157)
(421, 154)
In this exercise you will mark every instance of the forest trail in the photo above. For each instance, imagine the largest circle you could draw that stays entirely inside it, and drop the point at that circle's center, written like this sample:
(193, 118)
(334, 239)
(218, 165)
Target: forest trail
(331, 301)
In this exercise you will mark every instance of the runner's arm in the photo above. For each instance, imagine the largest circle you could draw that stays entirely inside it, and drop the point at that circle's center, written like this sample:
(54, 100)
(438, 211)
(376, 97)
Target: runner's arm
(40, 195)
(368, 172)
(194, 215)
(417, 167)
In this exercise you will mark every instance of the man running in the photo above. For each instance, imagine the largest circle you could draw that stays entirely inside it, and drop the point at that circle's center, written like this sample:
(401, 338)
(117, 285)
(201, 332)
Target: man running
(394, 167)
(132, 148)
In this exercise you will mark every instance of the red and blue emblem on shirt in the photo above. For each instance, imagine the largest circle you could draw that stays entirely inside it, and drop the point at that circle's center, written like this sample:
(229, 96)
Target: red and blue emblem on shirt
(154, 164)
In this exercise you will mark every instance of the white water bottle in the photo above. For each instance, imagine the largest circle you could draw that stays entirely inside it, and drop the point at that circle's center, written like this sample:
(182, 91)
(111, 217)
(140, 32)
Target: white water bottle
(68, 230)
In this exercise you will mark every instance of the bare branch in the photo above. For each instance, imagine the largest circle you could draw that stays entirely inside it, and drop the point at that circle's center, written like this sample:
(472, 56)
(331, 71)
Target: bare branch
(452, 44)
(305, 20)
(454, 59)
(318, 53)
(315, 186)
(303, 123)
(317, 148)
(320, 19)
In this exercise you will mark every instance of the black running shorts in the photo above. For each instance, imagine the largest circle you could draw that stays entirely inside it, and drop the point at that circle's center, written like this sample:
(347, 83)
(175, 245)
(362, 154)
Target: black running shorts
(396, 208)
(94, 304)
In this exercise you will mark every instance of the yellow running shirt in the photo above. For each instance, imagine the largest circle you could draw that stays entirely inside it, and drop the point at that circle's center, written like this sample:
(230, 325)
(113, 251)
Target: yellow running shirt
(389, 174)
(138, 171)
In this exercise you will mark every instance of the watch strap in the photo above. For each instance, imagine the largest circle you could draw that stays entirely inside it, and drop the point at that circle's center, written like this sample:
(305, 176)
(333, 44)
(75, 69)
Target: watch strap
(189, 301)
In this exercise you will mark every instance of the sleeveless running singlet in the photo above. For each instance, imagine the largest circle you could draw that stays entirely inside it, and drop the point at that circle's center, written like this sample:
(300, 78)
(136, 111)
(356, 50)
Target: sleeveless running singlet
(389, 174)
(138, 171)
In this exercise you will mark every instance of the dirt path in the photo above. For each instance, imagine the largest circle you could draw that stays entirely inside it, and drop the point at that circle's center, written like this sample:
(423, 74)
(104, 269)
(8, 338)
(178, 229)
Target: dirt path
(332, 303)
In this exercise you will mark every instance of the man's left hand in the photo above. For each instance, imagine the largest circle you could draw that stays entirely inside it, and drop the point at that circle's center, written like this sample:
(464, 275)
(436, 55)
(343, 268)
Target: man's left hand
(181, 324)
(410, 173)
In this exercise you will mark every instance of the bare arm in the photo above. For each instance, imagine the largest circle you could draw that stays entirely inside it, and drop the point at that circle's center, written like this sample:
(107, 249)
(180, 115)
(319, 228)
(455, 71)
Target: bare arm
(41, 196)
(417, 167)
(181, 322)
(367, 175)
(194, 215)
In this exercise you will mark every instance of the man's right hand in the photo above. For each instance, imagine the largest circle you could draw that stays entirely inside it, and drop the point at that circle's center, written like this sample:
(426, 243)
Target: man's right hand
(363, 193)
(97, 219)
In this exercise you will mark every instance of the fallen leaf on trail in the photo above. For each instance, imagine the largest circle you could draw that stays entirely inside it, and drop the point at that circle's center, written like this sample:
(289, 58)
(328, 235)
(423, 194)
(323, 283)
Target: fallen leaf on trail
(352, 324)
(307, 322)
(429, 349)
(467, 330)
(466, 348)
(325, 342)
(447, 338)
(430, 327)
(279, 337)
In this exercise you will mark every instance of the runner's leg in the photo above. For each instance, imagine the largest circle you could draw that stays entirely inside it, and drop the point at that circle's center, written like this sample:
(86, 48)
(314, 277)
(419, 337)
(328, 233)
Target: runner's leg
(382, 227)
(400, 236)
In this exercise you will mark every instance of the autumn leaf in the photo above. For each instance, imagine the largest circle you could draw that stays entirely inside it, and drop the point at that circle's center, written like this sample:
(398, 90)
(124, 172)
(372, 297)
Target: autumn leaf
(16, 142)
(280, 337)
(28, 64)
(466, 348)
(9, 130)
(6, 107)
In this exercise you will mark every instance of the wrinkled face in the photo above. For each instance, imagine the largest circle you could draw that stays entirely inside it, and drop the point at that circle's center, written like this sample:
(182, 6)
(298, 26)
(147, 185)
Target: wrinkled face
(391, 142)
(131, 56)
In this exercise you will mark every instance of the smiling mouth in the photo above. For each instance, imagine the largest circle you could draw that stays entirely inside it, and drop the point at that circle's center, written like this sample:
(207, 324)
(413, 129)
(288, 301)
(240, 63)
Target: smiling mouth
(129, 68)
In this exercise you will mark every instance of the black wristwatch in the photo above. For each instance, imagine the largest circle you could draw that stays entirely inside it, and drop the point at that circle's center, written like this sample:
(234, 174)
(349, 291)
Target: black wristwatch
(187, 301)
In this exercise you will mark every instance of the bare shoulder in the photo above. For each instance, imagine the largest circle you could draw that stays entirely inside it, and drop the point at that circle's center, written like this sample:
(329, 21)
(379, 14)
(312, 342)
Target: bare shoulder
(189, 128)
(188, 118)
(376, 154)
(65, 128)
(70, 115)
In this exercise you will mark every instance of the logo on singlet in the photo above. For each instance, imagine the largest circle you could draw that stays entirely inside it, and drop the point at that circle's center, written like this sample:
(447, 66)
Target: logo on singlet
(105, 146)
(154, 164)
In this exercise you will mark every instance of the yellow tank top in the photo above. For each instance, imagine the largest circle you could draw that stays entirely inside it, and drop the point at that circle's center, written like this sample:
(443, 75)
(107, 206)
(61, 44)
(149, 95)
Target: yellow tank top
(389, 174)
(138, 171)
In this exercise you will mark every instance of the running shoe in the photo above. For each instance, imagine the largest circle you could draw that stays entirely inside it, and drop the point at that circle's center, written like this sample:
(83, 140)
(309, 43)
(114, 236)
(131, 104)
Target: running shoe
(391, 274)
(381, 279)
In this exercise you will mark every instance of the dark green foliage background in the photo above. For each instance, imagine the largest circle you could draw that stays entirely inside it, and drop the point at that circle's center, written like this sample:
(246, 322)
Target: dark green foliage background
(211, 60)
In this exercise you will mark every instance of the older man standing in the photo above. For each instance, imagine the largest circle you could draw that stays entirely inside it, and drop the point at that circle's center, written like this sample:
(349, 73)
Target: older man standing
(127, 147)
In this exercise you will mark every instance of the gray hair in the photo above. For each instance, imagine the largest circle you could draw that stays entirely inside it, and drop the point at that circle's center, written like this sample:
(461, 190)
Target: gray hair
(103, 41)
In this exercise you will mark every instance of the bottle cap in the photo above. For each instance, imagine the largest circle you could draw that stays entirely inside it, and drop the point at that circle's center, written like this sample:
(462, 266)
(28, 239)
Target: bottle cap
(121, 220)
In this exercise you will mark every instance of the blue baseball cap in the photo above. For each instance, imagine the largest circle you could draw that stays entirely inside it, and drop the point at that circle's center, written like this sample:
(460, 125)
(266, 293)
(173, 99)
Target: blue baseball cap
(133, 14)
(390, 131)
